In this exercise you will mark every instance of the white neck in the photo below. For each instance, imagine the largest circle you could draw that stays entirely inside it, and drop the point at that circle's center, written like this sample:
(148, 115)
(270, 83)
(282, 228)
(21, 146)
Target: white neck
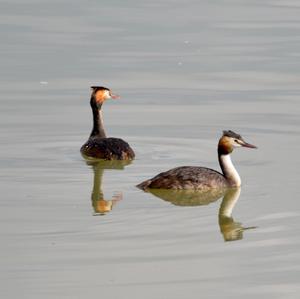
(229, 171)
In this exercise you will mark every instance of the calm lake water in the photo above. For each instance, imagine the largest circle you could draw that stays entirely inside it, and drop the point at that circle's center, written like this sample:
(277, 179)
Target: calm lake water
(185, 71)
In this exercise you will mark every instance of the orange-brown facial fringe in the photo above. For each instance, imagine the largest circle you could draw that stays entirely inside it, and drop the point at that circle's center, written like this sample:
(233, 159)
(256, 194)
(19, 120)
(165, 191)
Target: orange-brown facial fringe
(225, 146)
(100, 96)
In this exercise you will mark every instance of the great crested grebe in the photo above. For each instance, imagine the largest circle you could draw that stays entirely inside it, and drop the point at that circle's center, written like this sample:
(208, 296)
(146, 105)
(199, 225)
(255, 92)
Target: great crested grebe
(99, 146)
(202, 178)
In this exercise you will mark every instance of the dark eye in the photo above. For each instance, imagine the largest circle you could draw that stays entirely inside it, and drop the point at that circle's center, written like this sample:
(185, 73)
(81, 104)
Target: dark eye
(236, 140)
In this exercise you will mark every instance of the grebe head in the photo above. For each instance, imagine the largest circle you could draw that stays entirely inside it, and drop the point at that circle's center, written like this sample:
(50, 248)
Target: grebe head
(100, 94)
(231, 140)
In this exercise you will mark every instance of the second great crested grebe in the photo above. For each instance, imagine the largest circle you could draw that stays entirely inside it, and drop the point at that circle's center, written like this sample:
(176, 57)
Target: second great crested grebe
(98, 145)
(202, 178)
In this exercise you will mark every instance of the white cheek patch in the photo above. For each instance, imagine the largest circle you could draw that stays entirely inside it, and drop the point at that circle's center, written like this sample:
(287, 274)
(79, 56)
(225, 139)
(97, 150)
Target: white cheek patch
(107, 94)
(235, 145)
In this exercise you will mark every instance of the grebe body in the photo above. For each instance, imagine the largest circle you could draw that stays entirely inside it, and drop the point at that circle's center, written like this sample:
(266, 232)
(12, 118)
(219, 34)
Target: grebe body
(186, 177)
(202, 178)
(98, 145)
(107, 149)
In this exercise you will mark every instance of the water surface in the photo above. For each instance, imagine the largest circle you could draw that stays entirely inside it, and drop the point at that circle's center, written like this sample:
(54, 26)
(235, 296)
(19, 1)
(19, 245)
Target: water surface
(185, 72)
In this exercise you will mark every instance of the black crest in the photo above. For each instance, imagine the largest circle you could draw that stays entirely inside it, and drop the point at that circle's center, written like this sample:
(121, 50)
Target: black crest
(96, 88)
(231, 134)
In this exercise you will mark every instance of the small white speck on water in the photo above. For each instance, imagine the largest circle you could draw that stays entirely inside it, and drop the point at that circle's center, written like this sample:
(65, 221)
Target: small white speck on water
(179, 63)
(43, 82)
(186, 42)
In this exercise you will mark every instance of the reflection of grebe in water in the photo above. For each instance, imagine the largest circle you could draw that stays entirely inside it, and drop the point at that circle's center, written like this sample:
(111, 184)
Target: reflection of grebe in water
(188, 197)
(101, 205)
(230, 229)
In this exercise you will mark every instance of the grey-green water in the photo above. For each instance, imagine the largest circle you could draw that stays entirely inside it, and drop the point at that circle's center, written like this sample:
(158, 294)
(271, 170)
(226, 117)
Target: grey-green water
(185, 71)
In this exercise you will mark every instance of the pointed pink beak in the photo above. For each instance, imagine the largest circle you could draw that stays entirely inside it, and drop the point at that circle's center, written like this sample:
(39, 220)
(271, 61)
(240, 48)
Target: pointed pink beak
(248, 145)
(115, 96)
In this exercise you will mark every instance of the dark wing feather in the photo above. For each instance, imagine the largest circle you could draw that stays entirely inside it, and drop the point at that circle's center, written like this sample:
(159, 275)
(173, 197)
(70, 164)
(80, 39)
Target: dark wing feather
(108, 149)
(186, 177)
